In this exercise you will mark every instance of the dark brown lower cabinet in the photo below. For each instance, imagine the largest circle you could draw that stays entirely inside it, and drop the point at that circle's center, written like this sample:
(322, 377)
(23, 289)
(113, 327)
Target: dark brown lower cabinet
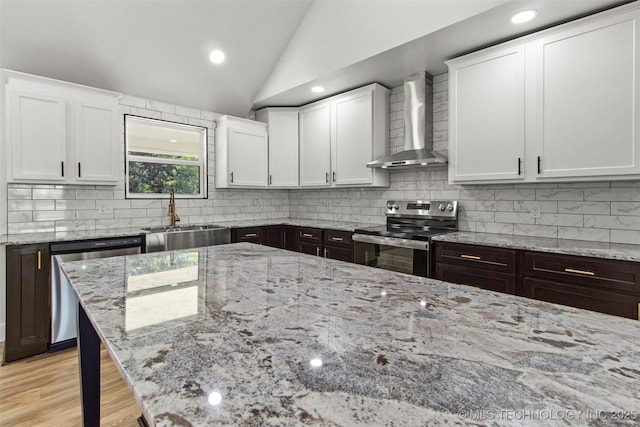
(607, 286)
(580, 296)
(28, 307)
(480, 266)
(338, 245)
(335, 244)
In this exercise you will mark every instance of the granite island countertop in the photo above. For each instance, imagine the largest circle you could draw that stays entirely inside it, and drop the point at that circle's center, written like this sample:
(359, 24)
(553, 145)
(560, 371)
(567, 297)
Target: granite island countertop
(243, 334)
(619, 251)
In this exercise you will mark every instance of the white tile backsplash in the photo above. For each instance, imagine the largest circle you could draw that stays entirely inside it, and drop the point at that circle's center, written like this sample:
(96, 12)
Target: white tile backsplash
(598, 211)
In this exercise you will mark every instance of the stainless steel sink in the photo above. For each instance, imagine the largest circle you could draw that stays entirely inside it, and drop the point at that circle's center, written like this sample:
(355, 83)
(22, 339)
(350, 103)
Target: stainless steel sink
(185, 237)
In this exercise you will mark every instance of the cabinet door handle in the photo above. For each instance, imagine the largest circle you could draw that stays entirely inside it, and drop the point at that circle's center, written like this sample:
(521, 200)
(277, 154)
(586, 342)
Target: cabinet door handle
(62, 168)
(337, 239)
(326, 177)
(470, 257)
(639, 311)
(307, 235)
(539, 167)
(318, 251)
(231, 176)
(251, 235)
(270, 179)
(79, 171)
(583, 272)
(519, 166)
(39, 260)
(325, 252)
(334, 177)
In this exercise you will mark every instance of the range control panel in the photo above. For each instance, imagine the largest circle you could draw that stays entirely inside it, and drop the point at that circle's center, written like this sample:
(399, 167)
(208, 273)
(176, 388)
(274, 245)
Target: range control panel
(423, 208)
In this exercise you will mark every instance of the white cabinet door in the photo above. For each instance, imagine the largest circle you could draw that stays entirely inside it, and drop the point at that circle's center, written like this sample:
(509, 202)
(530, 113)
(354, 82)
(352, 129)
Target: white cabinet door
(36, 136)
(587, 96)
(315, 145)
(352, 138)
(487, 128)
(247, 158)
(283, 146)
(97, 151)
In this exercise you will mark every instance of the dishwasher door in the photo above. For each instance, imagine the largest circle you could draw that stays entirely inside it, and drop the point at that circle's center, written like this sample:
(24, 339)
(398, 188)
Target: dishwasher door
(64, 302)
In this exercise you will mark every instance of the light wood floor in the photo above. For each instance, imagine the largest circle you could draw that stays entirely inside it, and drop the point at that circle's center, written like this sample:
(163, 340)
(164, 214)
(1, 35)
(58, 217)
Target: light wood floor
(44, 391)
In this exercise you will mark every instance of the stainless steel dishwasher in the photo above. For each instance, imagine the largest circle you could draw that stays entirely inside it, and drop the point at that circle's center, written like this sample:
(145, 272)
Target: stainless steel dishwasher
(64, 303)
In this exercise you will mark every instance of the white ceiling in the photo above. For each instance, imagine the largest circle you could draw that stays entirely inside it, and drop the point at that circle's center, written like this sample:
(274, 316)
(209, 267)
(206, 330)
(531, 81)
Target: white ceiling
(159, 49)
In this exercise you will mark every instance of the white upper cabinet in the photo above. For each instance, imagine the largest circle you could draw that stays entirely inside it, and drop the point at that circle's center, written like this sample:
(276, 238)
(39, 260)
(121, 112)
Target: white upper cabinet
(241, 153)
(61, 132)
(341, 134)
(558, 105)
(283, 145)
(36, 136)
(324, 144)
(96, 129)
(315, 145)
(487, 115)
(586, 94)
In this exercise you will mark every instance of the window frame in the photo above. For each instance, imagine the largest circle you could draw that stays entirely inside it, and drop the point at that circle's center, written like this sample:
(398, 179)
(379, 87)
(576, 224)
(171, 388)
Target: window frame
(202, 163)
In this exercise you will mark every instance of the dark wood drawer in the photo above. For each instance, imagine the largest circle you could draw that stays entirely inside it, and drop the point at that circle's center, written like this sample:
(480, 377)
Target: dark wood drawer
(248, 234)
(580, 296)
(338, 238)
(599, 273)
(309, 234)
(481, 257)
(476, 277)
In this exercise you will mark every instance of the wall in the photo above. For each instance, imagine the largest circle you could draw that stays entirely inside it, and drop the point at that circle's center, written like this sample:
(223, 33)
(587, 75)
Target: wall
(338, 34)
(598, 211)
(55, 208)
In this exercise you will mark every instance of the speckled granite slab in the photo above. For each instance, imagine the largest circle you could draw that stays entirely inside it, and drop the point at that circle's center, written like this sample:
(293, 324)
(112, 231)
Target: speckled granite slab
(243, 334)
(32, 238)
(334, 225)
(543, 244)
(35, 238)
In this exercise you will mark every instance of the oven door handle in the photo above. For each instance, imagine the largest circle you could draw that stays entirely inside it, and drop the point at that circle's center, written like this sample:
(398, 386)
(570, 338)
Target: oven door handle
(391, 241)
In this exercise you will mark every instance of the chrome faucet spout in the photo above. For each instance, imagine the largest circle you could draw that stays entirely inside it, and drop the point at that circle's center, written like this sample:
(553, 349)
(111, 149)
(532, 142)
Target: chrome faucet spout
(172, 207)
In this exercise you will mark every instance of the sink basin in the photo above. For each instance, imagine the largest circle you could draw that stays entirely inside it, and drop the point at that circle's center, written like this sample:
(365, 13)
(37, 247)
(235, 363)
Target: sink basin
(169, 238)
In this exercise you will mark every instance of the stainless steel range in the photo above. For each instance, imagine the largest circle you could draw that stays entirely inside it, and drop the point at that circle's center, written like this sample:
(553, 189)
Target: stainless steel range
(403, 244)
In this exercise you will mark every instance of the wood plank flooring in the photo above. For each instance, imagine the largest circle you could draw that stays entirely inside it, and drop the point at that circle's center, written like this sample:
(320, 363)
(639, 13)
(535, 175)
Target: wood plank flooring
(44, 390)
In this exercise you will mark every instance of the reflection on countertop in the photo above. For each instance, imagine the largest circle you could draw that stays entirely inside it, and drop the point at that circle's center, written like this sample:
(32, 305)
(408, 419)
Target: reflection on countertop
(291, 339)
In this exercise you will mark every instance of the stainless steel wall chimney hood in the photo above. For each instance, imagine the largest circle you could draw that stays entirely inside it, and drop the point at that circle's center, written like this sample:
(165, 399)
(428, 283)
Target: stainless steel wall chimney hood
(418, 128)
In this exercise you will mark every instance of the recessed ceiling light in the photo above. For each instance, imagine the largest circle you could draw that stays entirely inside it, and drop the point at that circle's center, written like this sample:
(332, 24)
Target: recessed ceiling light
(216, 56)
(524, 16)
(317, 89)
(173, 140)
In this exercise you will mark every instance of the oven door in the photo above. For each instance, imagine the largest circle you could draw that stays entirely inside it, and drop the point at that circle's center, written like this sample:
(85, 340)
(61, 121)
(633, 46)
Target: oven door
(391, 253)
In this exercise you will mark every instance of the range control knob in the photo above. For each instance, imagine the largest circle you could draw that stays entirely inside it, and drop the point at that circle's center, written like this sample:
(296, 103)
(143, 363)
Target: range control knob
(396, 206)
(441, 207)
(450, 207)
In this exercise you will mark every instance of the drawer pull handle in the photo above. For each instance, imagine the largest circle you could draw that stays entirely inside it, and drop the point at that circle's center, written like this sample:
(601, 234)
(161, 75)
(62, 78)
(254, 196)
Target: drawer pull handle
(325, 252)
(583, 272)
(39, 260)
(470, 257)
(250, 235)
(307, 235)
(317, 251)
(337, 239)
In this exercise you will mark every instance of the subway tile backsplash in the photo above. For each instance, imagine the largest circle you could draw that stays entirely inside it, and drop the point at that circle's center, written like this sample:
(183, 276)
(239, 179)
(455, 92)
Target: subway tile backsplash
(597, 211)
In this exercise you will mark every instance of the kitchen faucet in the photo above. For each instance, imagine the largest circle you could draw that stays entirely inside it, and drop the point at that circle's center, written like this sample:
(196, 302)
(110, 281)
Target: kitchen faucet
(172, 207)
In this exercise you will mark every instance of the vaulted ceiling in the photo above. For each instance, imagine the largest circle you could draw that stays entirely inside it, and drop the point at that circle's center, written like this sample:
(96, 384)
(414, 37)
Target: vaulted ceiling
(275, 49)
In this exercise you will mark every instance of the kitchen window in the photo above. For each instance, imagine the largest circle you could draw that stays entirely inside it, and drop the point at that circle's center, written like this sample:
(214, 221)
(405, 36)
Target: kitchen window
(161, 155)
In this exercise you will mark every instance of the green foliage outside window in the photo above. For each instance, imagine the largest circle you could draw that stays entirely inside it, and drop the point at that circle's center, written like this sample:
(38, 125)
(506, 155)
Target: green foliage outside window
(159, 178)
